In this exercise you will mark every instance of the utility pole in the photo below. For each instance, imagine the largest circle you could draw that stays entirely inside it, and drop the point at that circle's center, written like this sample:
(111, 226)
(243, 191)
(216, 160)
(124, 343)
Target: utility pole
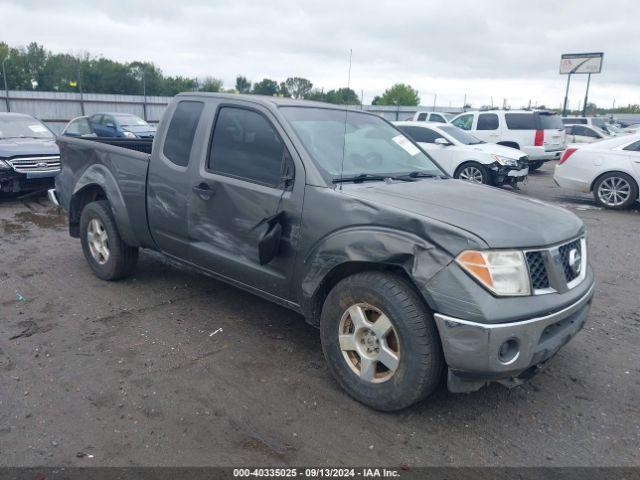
(435, 97)
(6, 88)
(464, 103)
(80, 85)
(586, 97)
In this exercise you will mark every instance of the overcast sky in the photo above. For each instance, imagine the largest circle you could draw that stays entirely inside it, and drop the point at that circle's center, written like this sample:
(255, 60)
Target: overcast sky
(500, 49)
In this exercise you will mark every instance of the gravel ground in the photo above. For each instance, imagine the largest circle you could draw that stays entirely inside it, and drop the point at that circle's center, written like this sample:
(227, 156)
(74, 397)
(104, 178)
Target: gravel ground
(170, 367)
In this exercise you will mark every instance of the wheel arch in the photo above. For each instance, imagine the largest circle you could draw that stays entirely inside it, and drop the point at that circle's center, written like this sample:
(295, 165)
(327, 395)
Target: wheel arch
(602, 174)
(98, 183)
(508, 143)
(359, 249)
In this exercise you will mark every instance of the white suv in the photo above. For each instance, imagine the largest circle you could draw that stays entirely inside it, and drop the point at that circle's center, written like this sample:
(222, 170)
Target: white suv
(538, 133)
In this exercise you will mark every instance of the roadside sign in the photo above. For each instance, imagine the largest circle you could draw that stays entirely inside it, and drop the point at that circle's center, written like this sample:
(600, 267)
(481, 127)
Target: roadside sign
(571, 63)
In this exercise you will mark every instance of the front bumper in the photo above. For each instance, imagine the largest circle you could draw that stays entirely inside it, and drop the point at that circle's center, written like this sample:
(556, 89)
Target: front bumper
(14, 182)
(473, 350)
(501, 174)
(544, 156)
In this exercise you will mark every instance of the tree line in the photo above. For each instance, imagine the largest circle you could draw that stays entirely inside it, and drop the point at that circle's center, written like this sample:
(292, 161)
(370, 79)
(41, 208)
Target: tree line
(35, 68)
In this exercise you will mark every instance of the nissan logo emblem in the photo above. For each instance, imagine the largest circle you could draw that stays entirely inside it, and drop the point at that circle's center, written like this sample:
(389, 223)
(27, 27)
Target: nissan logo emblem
(575, 261)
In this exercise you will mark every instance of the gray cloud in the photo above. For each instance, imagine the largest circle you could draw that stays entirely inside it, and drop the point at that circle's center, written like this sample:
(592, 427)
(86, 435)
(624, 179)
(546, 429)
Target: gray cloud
(503, 49)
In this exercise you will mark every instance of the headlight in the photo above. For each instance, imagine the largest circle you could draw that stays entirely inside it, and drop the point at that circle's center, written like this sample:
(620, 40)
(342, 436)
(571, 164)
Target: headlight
(4, 165)
(129, 134)
(503, 272)
(510, 162)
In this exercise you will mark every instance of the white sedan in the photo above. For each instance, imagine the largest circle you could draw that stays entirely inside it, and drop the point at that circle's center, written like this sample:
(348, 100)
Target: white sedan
(466, 157)
(608, 168)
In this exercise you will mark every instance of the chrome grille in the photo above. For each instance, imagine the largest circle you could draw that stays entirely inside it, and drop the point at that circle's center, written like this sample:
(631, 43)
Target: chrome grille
(537, 270)
(35, 164)
(551, 269)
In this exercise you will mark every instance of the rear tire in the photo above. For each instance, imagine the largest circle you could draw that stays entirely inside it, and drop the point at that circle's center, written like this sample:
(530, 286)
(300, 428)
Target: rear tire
(376, 310)
(473, 172)
(615, 191)
(535, 165)
(108, 256)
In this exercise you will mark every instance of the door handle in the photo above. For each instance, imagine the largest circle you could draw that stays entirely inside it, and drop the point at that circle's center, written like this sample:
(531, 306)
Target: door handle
(204, 190)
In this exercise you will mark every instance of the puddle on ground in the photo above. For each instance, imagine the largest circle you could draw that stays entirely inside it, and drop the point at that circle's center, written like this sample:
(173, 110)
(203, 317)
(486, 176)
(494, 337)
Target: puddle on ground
(47, 219)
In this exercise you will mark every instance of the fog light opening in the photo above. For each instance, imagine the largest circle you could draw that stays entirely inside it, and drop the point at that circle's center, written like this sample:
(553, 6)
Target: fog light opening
(509, 351)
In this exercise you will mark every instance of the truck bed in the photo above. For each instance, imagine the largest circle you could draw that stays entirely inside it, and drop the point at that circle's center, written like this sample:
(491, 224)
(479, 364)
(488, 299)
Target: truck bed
(143, 145)
(118, 166)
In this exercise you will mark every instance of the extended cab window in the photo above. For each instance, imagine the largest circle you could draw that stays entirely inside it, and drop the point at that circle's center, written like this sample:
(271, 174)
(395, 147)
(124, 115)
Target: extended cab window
(181, 131)
(422, 117)
(487, 121)
(464, 122)
(245, 145)
(437, 118)
(520, 121)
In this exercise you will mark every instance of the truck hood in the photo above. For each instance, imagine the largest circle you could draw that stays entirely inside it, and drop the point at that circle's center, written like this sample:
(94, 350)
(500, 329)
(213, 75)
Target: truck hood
(14, 147)
(502, 219)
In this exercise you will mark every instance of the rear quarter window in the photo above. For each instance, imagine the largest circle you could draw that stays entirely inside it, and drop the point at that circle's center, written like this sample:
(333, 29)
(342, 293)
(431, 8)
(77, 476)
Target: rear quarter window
(549, 122)
(520, 121)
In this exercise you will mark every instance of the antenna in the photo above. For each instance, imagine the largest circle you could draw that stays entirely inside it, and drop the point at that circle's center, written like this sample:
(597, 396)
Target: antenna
(344, 135)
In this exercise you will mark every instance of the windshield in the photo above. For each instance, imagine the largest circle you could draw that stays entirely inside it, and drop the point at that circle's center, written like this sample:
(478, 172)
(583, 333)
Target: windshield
(371, 145)
(460, 135)
(23, 127)
(130, 121)
(612, 128)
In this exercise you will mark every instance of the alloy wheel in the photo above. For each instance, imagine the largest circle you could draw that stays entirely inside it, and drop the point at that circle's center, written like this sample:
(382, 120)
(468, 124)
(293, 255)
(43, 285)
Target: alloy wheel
(369, 343)
(614, 191)
(471, 174)
(98, 241)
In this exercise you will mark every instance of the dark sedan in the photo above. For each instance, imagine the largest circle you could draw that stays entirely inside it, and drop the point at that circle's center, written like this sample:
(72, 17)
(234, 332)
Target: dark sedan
(29, 156)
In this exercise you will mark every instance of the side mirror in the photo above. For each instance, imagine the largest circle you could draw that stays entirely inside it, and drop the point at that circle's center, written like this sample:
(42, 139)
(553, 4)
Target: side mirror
(110, 125)
(442, 141)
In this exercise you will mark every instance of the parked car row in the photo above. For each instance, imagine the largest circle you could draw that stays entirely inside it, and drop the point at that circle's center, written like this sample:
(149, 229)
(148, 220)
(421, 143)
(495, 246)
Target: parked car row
(29, 156)
(109, 125)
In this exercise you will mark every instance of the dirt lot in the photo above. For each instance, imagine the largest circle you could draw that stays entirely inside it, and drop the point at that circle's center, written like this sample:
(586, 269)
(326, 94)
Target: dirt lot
(173, 368)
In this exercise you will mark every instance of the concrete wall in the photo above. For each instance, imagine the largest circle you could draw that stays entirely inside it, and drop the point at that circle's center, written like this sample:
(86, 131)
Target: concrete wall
(56, 108)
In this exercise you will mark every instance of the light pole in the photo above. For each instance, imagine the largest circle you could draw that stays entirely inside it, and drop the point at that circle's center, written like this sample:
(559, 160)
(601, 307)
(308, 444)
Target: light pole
(6, 88)
(144, 93)
(80, 85)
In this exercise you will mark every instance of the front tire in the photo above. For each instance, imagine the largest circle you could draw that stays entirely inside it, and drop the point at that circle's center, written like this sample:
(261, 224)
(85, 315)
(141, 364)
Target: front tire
(473, 172)
(615, 191)
(108, 256)
(380, 341)
(535, 165)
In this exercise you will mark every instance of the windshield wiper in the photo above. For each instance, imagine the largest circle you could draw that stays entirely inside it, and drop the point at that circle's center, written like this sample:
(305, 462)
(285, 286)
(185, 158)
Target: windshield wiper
(411, 176)
(361, 177)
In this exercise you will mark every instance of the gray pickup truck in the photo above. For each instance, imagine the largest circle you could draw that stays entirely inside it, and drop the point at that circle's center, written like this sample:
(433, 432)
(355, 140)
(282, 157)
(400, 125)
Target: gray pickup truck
(409, 275)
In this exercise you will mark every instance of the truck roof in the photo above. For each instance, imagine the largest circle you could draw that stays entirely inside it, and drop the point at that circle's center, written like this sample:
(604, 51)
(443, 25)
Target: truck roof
(265, 100)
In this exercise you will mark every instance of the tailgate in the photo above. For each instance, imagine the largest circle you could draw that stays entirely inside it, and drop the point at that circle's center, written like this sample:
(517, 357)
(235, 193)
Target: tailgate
(554, 134)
